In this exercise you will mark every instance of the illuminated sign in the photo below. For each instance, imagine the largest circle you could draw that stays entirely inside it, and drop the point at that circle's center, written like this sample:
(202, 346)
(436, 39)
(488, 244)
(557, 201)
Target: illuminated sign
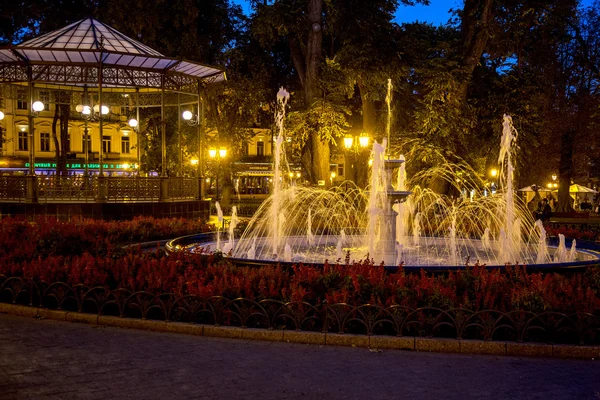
(77, 166)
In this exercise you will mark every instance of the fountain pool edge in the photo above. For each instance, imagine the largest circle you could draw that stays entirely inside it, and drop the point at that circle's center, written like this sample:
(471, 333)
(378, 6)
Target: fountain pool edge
(590, 248)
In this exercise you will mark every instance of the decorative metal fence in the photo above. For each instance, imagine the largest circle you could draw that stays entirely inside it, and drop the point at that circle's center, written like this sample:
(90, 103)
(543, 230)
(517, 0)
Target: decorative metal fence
(369, 319)
(48, 189)
(73, 188)
(183, 188)
(133, 189)
(13, 188)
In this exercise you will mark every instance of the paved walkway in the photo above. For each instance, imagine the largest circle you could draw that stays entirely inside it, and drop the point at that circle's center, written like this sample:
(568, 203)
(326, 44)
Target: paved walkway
(43, 359)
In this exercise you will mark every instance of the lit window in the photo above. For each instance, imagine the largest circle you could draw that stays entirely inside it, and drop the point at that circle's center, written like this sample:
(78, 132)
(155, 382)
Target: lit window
(44, 141)
(125, 147)
(23, 143)
(106, 144)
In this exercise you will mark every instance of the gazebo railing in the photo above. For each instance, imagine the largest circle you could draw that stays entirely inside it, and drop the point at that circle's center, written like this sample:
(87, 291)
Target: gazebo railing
(74, 188)
(47, 189)
(132, 189)
(13, 188)
(183, 188)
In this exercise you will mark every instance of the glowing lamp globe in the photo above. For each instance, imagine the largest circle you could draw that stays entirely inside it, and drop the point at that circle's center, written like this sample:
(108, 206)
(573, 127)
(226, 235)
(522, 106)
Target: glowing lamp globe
(363, 141)
(348, 142)
(187, 115)
(133, 123)
(1, 115)
(222, 153)
(105, 110)
(86, 110)
(38, 106)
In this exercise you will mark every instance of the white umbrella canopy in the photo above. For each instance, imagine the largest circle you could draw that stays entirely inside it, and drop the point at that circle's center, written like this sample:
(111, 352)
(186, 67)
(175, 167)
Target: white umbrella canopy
(530, 188)
(576, 188)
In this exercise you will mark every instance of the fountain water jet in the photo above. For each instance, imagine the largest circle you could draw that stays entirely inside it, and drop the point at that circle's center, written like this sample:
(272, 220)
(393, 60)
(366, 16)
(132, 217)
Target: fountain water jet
(312, 225)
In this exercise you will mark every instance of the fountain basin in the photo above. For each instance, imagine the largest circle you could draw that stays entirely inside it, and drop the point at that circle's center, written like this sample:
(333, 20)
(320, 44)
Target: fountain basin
(415, 257)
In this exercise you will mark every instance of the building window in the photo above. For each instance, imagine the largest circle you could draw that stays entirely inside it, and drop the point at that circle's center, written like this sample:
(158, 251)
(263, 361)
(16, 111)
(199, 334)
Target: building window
(340, 169)
(125, 145)
(23, 144)
(44, 141)
(245, 149)
(106, 144)
(89, 143)
(68, 148)
(260, 148)
(22, 103)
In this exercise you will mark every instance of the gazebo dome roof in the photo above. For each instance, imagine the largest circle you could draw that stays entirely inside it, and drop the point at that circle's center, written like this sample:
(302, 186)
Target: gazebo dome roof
(89, 34)
(92, 44)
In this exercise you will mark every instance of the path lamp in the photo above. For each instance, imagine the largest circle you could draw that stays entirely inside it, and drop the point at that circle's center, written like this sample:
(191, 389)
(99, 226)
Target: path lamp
(218, 156)
(195, 120)
(494, 175)
(91, 114)
(355, 145)
(135, 125)
(36, 108)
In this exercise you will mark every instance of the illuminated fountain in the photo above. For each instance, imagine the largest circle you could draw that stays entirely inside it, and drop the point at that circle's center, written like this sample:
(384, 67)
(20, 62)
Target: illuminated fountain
(313, 225)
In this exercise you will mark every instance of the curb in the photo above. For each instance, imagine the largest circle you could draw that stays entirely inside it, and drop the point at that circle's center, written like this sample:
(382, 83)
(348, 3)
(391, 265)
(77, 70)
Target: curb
(438, 345)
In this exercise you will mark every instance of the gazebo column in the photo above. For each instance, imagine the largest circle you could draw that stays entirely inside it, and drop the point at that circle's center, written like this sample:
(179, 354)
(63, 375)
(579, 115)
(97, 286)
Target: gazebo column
(102, 183)
(164, 181)
(137, 131)
(201, 126)
(180, 151)
(31, 178)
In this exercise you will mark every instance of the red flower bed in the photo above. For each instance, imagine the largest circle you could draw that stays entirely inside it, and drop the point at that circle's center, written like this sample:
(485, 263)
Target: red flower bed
(89, 252)
(573, 233)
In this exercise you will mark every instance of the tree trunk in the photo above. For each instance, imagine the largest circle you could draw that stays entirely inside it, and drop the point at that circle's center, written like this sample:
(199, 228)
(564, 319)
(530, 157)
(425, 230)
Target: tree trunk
(476, 18)
(60, 135)
(565, 169)
(61, 163)
(368, 111)
(319, 149)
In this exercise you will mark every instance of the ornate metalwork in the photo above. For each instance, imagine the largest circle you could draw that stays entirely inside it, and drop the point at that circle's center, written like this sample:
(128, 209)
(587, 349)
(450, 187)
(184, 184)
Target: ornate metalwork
(183, 188)
(80, 75)
(77, 188)
(369, 319)
(13, 188)
(133, 189)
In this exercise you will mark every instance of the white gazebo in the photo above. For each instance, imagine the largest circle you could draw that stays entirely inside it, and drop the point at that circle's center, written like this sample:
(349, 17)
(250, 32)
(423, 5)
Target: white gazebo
(93, 60)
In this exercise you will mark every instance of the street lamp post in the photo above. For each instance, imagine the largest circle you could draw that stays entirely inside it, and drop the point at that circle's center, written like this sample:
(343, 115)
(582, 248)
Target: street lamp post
(218, 156)
(88, 114)
(37, 107)
(554, 183)
(494, 175)
(355, 145)
(198, 121)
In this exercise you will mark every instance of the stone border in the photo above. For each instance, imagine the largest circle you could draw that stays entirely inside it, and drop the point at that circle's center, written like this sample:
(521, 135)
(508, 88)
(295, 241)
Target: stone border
(438, 345)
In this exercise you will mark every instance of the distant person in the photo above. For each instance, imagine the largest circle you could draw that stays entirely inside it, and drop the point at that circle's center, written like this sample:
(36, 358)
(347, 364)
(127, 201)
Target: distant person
(546, 211)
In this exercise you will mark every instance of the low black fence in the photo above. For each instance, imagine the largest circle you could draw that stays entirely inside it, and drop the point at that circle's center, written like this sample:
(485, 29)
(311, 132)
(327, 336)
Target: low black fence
(368, 319)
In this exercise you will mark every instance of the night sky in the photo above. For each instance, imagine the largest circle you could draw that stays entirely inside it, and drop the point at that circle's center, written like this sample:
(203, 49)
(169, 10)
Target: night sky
(436, 13)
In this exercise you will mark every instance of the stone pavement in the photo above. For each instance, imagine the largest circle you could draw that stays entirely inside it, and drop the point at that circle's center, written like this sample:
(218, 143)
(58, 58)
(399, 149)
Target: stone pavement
(44, 359)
